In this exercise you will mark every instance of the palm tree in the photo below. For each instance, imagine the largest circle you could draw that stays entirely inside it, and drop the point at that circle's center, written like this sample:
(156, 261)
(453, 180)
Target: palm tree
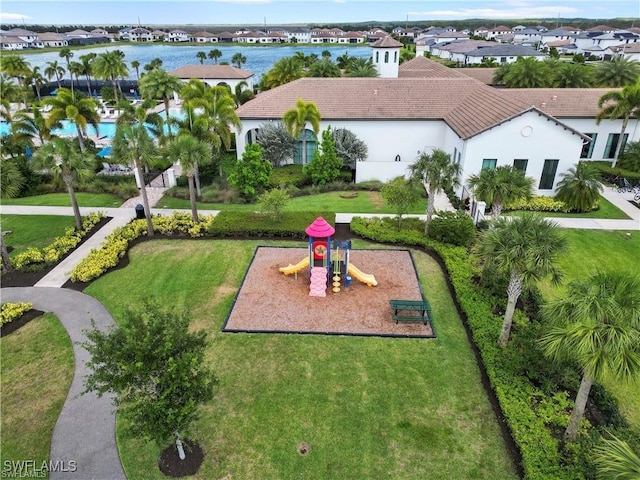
(159, 84)
(191, 152)
(15, 66)
(54, 70)
(66, 53)
(214, 55)
(618, 72)
(580, 187)
(623, 104)
(77, 69)
(296, 121)
(630, 157)
(344, 60)
(62, 158)
(615, 460)
(285, 70)
(435, 172)
(87, 63)
(526, 249)
(133, 145)
(500, 73)
(36, 79)
(527, 73)
(11, 179)
(572, 75)
(238, 59)
(153, 64)
(243, 93)
(202, 57)
(27, 125)
(325, 54)
(324, 68)
(136, 66)
(596, 326)
(110, 66)
(361, 67)
(9, 91)
(497, 186)
(75, 108)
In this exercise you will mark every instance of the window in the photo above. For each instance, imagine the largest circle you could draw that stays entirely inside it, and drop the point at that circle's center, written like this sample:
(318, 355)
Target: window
(489, 163)
(455, 153)
(386, 57)
(587, 146)
(612, 144)
(503, 59)
(520, 164)
(548, 174)
(395, 57)
(377, 57)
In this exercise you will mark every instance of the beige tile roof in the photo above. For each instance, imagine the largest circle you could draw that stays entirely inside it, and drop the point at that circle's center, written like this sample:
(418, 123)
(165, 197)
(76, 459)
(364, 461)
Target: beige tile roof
(422, 67)
(211, 72)
(560, 102)
(484, 75)
(387, 42)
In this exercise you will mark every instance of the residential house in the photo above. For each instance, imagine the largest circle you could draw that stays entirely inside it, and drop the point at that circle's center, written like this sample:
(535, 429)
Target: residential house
(481, 32)
(493, 32)
(29, 38)
(140, 35)
(323, 35)
(159, 35)
(78, 33)
(616, 38)
(123, 33)
(260, 37)
(446, 37)
(502, 53)
(175, 36)
(299, 35)
(351, 38)
(204, 37)
(225, 37)
(12, 43)
(563, 33)
(456, 51)
(215, 75)
(527, 36)
(52, 39)
(628, 51)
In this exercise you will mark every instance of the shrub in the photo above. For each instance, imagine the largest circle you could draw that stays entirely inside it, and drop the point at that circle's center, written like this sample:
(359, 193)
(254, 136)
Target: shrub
(252, 225)
(288, 175)
(251, 173)
(537, 204)
(273, 202)
(325, 166)
(13, 311)
(455, 228)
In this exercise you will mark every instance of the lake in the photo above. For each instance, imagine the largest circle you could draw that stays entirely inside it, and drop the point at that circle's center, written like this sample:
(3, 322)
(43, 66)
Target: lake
(259, 58)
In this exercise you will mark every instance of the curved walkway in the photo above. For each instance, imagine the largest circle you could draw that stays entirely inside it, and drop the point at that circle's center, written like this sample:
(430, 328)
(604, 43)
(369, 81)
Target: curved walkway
(85, 430)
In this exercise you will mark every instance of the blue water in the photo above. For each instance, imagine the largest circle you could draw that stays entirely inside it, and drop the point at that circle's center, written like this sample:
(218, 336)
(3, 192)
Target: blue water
(69, 128)
(259, 58)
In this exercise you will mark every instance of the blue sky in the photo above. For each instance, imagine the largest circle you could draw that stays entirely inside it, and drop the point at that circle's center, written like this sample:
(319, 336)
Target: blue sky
(253, 12)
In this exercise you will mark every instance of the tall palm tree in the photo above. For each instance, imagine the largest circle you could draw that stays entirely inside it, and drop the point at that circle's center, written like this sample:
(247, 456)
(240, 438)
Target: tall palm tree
(27, 125)
(617, 104)
(296, 120)
(324, 68)
(527, 73)
(242, 93)
(77, 69)
(67, 54)
(202, 56)
(618, 72)
(497, 186)
(136, 66)
(36, 79)
(133, 145)
(62, 158)
(14, 66)
(110, 66)
(238, 59)
(580, 187)
(361, 67)
(616, 460)
(526, 249)
(214, 55)
(596, 326)
(572, 75)
(9, 92)
(53, 69)
(159, 84)
(87, 63)
(435, 172)
(192, 153)
(76, 108)
(283, 71)
(153, 64)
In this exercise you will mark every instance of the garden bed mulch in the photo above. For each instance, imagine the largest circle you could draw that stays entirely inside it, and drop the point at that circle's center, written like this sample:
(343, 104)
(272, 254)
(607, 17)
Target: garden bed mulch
(11, 327)
(29, 279)
(270, 302)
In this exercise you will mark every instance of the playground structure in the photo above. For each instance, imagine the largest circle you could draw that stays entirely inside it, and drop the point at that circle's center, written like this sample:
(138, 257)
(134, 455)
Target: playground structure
(328, 261)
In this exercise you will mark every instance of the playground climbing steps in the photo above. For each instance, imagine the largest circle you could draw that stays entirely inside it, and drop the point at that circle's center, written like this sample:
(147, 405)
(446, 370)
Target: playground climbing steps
(318, 286)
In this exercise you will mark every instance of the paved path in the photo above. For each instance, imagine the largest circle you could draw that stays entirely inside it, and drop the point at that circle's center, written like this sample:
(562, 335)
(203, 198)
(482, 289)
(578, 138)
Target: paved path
(85, 430)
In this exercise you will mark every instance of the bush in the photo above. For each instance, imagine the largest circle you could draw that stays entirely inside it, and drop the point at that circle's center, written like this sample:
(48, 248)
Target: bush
(252, 225)
(273, 203)
(454, 228)
(13, 311)
(288, 175)
(609, 173)
(537, 204)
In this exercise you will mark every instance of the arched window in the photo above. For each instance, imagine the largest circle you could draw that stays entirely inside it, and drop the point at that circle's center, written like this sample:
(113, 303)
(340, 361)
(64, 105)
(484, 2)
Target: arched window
(251, 136)
(377, 57)
(386, 57)
(395, 57)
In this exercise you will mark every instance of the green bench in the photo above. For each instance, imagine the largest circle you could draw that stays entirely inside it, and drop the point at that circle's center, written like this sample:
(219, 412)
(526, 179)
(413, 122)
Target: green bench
(411, 311)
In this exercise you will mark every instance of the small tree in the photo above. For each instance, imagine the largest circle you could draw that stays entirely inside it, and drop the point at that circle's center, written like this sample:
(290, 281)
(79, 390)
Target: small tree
(616, 460)
(349, 148)
(251, 173)
(500, 185)
(276, 142)
(401, 195)
(580, 188)
(273, 202)
(156, 368)
(325, 166)
(630, 158)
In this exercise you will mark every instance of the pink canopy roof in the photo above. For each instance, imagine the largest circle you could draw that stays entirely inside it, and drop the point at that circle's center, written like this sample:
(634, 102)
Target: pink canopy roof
(320, 229)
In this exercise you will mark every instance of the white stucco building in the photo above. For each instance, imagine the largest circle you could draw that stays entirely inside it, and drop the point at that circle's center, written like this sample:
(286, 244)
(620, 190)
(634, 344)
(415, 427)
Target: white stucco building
(543, 132)
(214, 75)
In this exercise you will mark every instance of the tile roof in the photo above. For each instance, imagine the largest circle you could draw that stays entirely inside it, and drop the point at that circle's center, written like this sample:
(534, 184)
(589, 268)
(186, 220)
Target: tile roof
(422, 67)
(466, 46)
(211, 72)
(502, 50)
(484, 75)
(560, 102)
(51, 37)
(387, 42)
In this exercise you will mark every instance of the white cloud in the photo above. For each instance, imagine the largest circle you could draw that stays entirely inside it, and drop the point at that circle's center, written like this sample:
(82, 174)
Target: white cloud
(12, 17)
(523, 11)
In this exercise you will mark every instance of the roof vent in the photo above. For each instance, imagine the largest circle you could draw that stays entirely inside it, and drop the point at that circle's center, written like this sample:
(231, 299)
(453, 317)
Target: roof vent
(375, 92)
(543, 104)
(554, 98)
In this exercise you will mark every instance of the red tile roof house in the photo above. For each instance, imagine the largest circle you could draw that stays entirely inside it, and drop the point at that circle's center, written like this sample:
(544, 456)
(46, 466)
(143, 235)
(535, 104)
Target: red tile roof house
(215, 75)
(431, 106)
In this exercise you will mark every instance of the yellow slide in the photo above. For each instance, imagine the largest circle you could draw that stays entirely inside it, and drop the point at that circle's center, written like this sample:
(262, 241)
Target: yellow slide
(289, 269)
(363, 277)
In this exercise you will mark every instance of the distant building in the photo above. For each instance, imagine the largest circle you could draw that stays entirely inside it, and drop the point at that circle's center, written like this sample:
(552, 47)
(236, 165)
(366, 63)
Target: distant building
(215, 75)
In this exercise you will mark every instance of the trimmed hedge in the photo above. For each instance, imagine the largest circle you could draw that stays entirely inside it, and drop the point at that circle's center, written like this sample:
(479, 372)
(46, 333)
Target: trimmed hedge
(34, 259)
(13, 311)
(116, 245)
(454, 228)
(605, 169)
(531, 413)
(538, 204)
(255, 224)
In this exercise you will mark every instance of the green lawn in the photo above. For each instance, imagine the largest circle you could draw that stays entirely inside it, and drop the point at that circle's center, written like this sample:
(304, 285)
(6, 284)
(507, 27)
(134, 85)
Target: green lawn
(63, 200)
(367, 407)
(590, 250)
(606, 210)
(37, 368)
(33, 230)
(365, 202)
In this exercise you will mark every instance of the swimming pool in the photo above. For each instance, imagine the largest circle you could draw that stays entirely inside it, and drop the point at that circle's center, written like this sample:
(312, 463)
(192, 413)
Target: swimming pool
(105, 129)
